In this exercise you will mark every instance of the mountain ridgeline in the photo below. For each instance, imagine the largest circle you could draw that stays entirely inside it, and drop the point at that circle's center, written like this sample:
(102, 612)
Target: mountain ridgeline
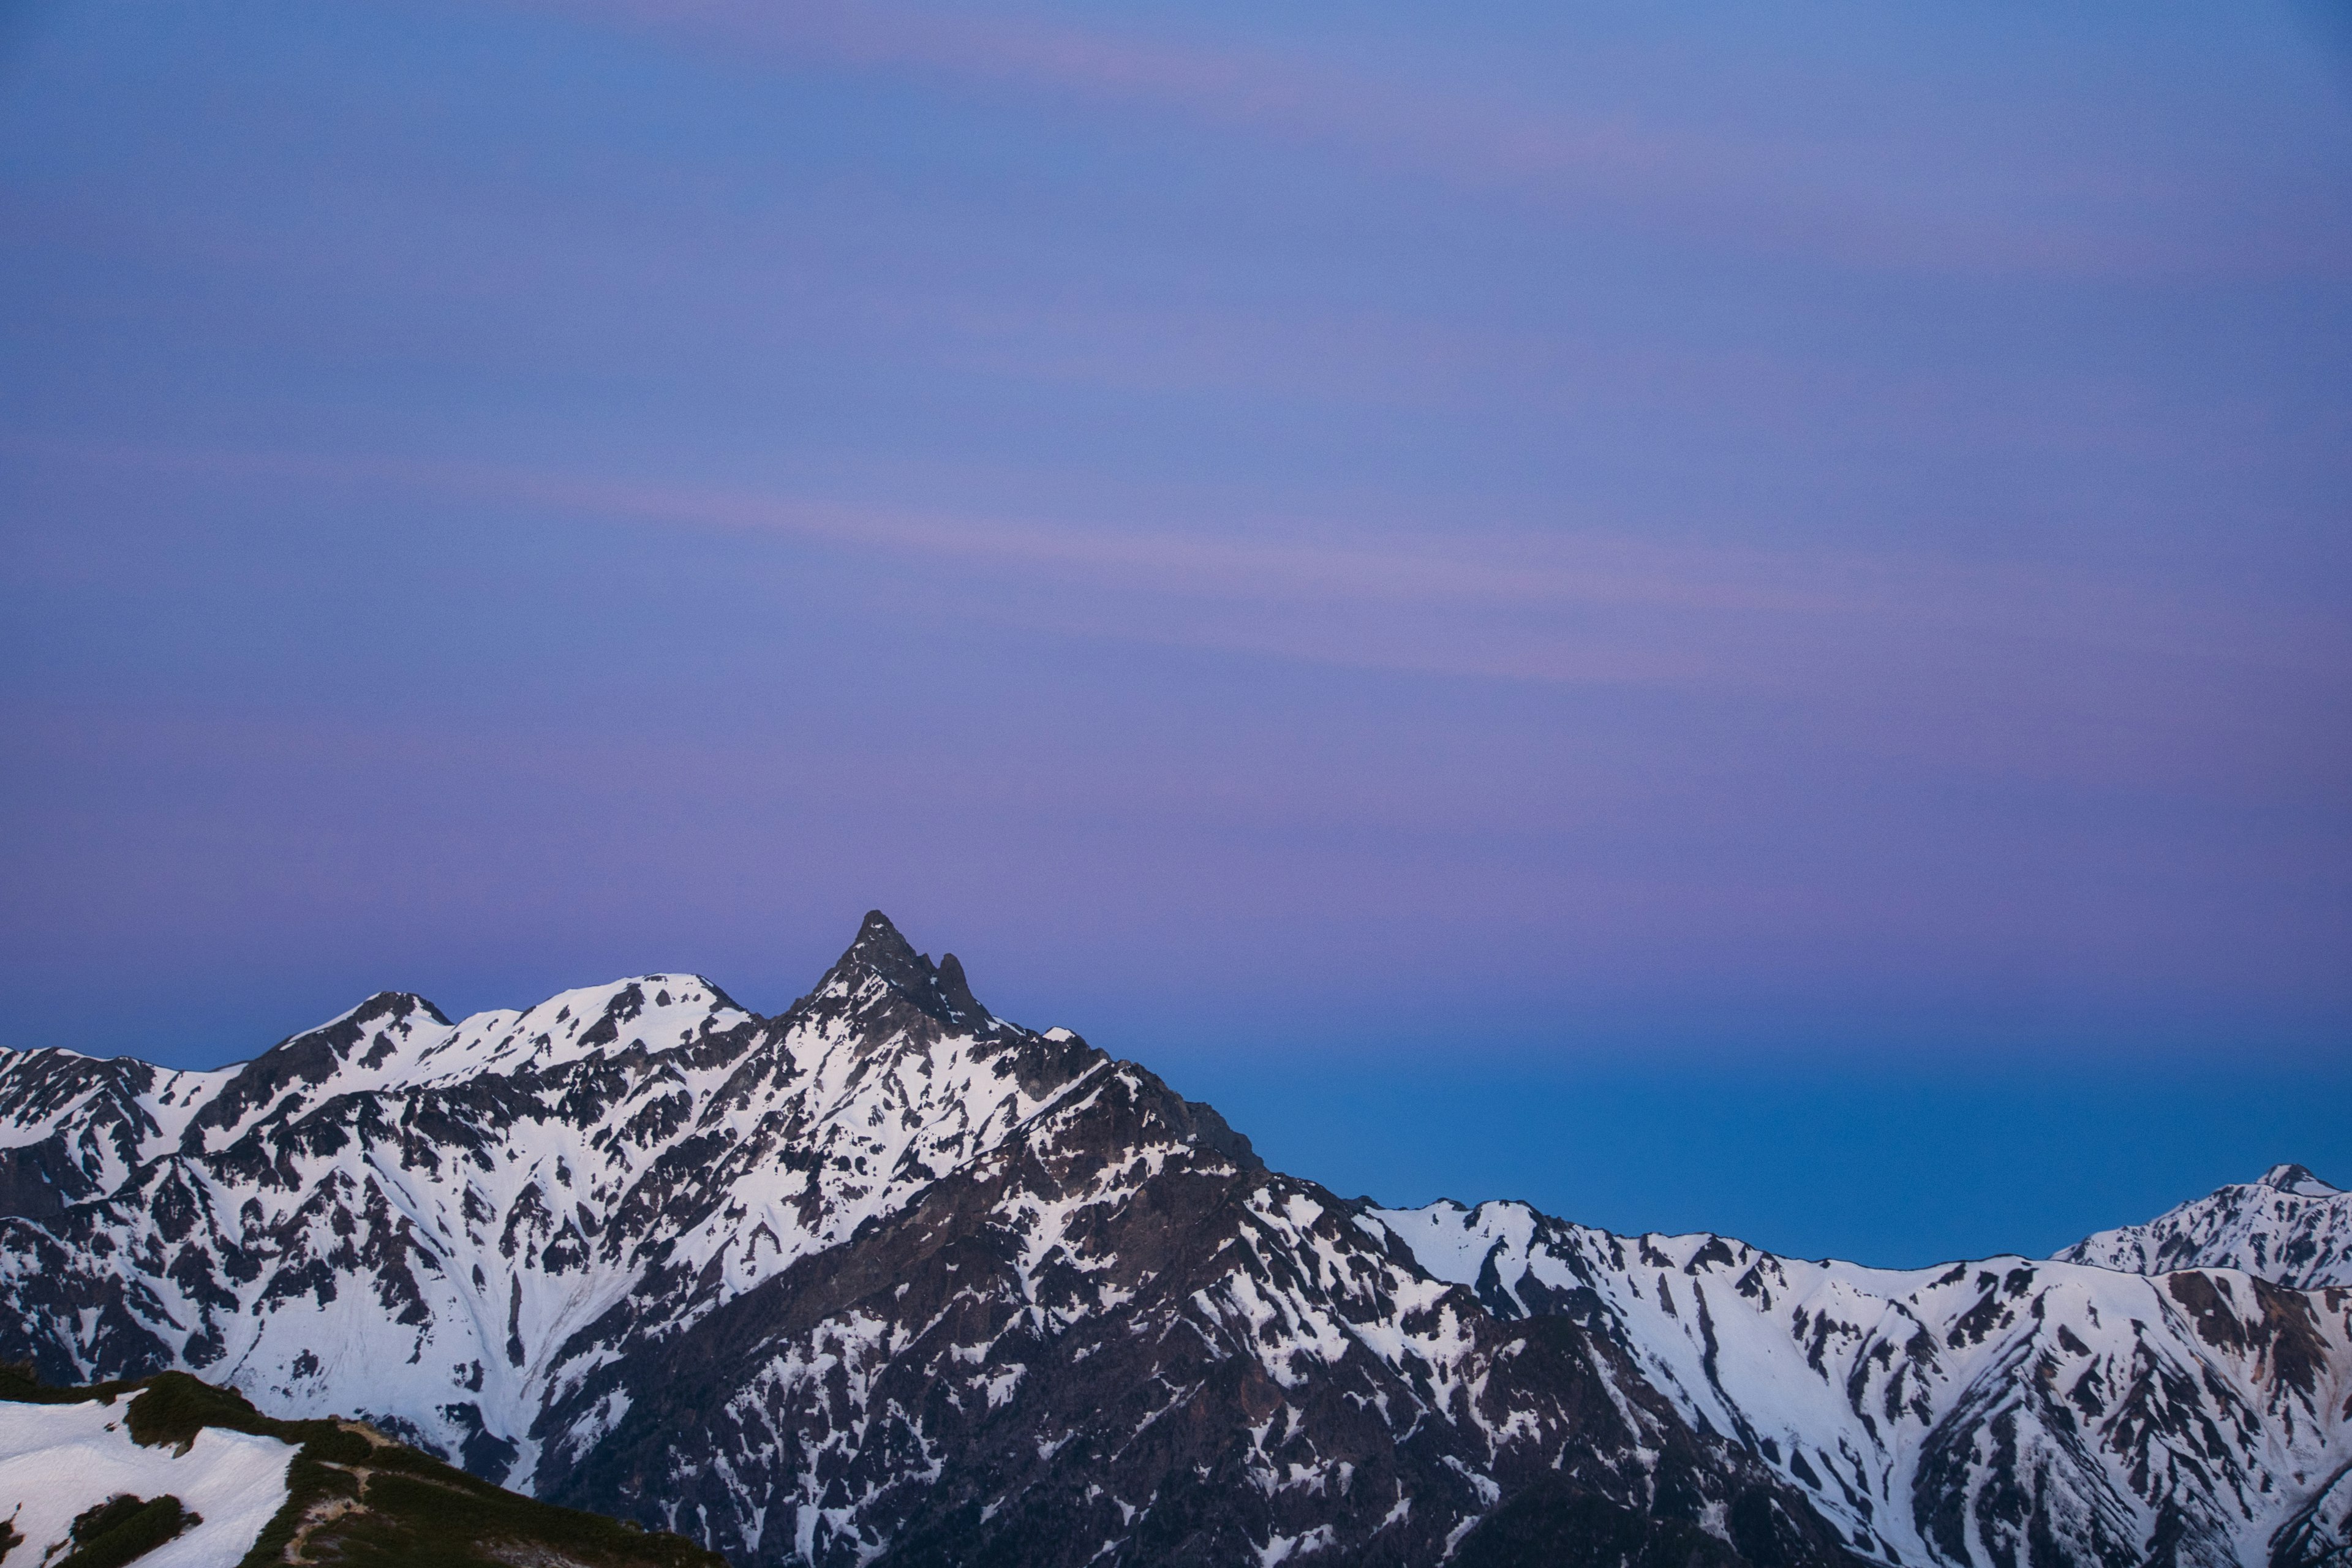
(886, 1280)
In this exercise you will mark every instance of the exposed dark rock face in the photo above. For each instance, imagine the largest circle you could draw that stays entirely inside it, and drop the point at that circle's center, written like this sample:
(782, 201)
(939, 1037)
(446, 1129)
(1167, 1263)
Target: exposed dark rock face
(886, 1278)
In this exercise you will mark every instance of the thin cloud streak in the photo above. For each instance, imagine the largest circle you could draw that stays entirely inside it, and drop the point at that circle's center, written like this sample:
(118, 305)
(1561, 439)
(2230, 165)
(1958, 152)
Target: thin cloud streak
(1768, 193)
(1618, 573)
(1587, 608)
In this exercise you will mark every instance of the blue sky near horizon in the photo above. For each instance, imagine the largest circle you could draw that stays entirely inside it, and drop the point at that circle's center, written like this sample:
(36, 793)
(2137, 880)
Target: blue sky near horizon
(1707, 615)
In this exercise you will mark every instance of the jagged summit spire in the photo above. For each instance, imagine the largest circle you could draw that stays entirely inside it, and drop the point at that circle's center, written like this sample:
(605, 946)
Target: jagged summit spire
(879, 944)
(879, 951)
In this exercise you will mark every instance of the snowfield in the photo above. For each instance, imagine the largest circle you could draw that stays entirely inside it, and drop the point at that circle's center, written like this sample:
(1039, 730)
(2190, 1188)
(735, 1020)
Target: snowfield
(57, 1460)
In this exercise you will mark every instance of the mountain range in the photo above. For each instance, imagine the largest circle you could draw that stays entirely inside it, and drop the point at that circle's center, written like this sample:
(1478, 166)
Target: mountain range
(888, 1279)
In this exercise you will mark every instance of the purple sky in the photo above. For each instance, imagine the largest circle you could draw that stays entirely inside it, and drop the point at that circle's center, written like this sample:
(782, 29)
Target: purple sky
(1685, 615)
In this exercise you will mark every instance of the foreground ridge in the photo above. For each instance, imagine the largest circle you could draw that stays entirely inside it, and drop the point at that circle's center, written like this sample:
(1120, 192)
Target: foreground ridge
(888, 1279)
(118, 1469)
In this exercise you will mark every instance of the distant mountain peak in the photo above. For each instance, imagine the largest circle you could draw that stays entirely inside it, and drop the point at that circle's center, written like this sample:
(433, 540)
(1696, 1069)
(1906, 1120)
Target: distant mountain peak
(880, 941)
(381, 1007)
(2290, 1227)
(2298, 1180)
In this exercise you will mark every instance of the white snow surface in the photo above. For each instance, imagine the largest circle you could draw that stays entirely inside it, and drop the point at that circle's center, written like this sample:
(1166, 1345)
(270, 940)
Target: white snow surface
(57, 1460)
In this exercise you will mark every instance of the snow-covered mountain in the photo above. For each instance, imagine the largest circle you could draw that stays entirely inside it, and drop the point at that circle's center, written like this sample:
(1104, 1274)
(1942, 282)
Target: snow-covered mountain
(445, 1224)
(2290, 1226)
(2003, 1411)
(887, 1278)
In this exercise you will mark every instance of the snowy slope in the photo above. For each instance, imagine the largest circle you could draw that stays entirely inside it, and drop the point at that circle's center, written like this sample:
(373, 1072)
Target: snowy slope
(2290, 1226)
(56, 1460)
(1978, 1412)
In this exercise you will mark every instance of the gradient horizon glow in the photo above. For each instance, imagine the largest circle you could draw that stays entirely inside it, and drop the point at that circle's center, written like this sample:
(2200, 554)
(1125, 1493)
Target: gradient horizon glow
(1727, 616)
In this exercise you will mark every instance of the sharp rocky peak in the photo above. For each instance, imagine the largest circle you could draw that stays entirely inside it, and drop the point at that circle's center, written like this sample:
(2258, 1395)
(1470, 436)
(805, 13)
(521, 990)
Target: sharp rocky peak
(882, 973)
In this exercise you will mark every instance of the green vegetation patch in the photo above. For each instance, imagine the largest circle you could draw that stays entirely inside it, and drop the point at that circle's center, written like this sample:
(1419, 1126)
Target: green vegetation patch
(172, 1407)
(124, 1529)
(19, 1386)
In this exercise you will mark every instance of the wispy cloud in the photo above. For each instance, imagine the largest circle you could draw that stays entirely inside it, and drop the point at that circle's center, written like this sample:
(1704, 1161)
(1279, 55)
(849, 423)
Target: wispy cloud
(1451, 598)
(1852, 201)
(1231, 565)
